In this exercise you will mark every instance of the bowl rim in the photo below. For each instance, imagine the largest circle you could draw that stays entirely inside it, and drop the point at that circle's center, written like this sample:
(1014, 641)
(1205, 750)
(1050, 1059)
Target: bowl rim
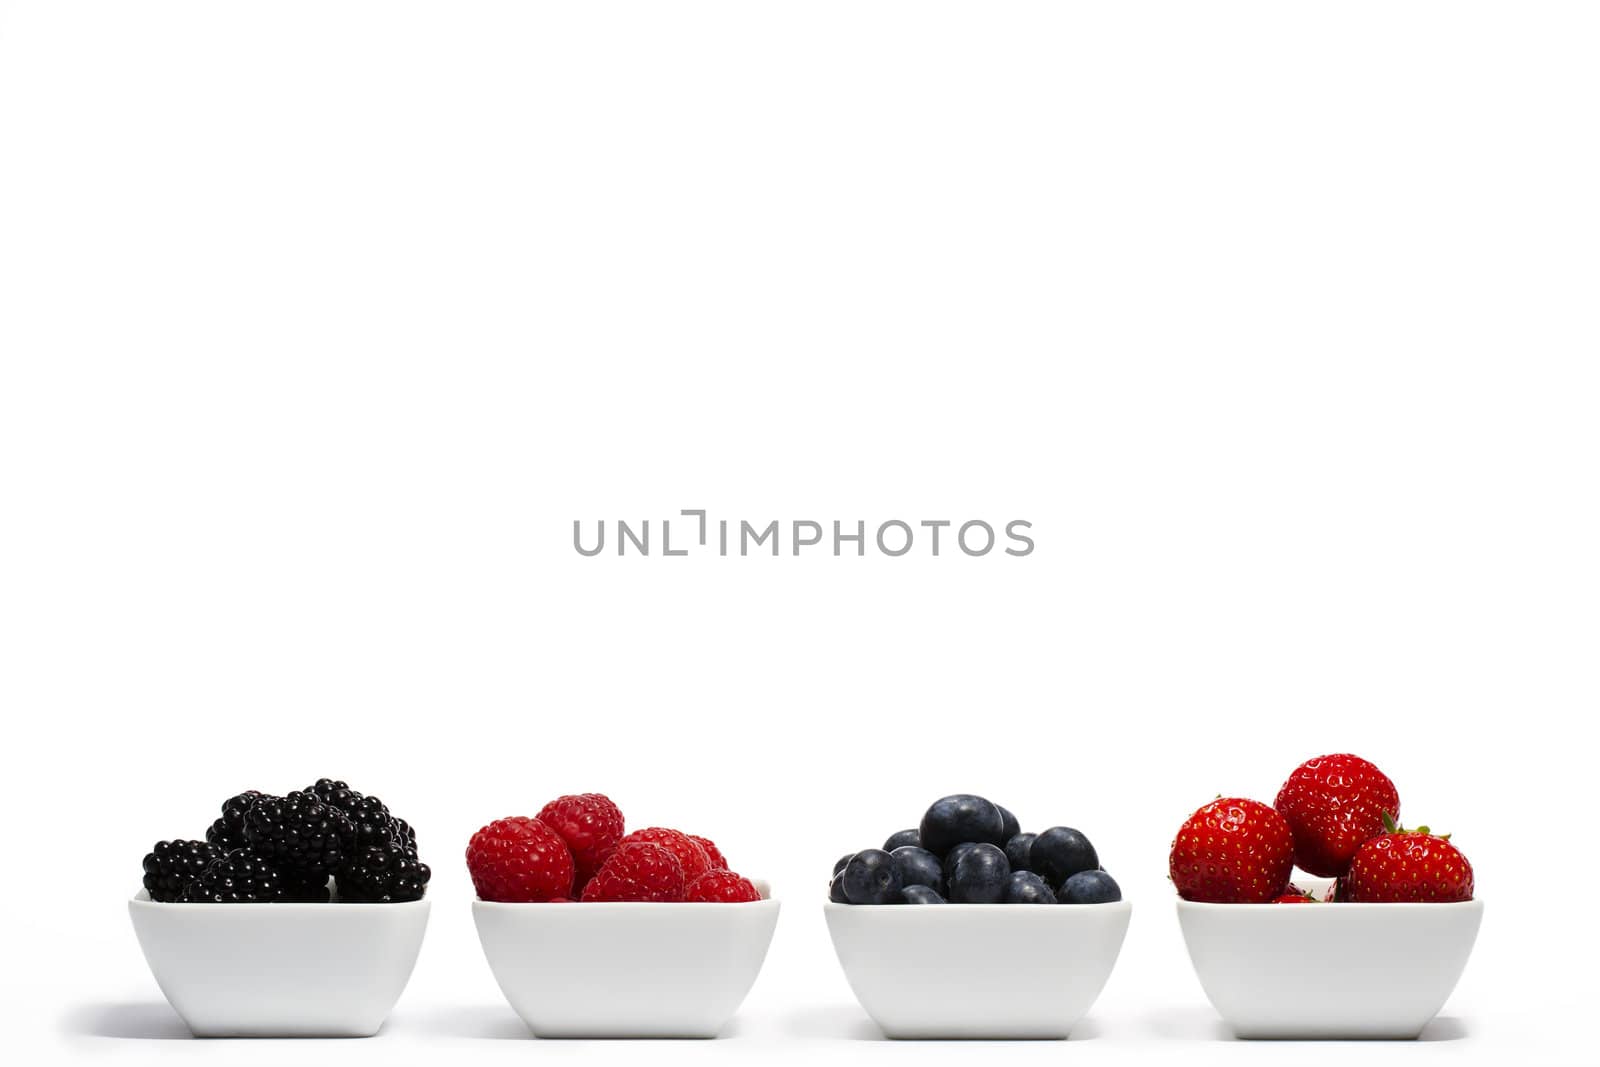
(141, 899)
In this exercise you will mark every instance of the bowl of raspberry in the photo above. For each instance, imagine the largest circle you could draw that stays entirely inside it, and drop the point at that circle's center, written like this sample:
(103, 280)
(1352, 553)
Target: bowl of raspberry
(592, 931)
(297, 916)
(932, 936)
(1384, 920)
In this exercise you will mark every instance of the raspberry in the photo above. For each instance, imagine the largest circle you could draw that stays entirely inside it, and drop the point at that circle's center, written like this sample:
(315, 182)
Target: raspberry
(713, 853)
(721, 887)
(590, 824)
(517, 860)
(691, 857)
(637, 870)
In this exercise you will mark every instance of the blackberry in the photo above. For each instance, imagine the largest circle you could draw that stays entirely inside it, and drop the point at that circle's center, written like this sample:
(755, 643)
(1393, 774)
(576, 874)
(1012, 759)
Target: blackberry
(305, 888)
(298, 833)
(383, 873)
(239, 877)
(227, 833)
(172, 866)
(373, 824)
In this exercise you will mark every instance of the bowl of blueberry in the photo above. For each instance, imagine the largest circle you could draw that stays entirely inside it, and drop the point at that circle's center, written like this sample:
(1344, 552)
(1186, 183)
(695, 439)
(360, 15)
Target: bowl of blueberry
(296, 916)
(935, 939)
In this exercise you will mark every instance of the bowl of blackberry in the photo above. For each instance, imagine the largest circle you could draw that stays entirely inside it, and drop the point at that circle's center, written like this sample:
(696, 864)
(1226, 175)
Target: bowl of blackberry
(966, 926)
(294, 915)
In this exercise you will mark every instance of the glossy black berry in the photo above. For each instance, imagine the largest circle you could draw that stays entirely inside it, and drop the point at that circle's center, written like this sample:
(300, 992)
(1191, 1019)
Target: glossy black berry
(227, 833)
(844, 859)
(981, 876)
(836, 890)
(298, 833)
(372, 824)
(1025, 887)
(1009, 826)
(240, 877)
(1061, 852)
(955, 819)
(382, 873)
(1018, 851)
(871, 877)
(920, 894)
(301, 888)
(901, 838)
(1090, 887)
(918, 866)
(172, 866)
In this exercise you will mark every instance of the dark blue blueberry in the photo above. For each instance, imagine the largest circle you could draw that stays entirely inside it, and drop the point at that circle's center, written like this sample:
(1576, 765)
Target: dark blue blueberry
(1090, 887)
(980, 877)
(871, 877)
(1061, 852)
(1009, 826)
(1017, 852)
(963, 817)
(844, 859)
(901, 838)
(918, 866)
(836, 890)
(920, 894)
(1025, 887)
(955, 854)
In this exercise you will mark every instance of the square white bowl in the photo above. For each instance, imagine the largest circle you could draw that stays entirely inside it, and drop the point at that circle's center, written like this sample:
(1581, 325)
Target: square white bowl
(1308, 971)
(977, 970)
(280, 970)
(626, 969)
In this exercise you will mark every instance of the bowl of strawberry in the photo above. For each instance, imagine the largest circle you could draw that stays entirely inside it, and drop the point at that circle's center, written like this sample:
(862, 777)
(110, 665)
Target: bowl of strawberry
(966, 926)
(1385, 920)
(593, 931)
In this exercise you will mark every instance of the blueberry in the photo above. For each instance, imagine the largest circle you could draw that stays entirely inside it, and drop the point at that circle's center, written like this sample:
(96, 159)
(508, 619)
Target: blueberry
(1061, 852)
(871, 877)
(963, 817)
(1009, 826)
(844, 859)
(980, 877)
(1025, 887)
(920, 894)
(900, 838)
(836, 890)
(1090, 887)
(918, 866)
(1017, 850)
(955, 854)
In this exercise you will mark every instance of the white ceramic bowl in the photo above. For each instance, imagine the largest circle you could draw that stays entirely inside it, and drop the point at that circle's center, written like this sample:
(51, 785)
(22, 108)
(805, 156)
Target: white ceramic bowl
(280, 970)
(977, 970)
(626, 969)
(1329, 970)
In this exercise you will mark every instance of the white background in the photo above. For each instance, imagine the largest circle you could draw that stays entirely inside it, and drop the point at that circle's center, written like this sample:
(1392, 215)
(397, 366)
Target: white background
(322, 321)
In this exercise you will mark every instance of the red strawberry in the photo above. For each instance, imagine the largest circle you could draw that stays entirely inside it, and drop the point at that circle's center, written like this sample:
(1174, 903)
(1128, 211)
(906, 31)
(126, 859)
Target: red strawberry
(1408, 867)
(1232, 851)
(1333, 803)
(1295, 898)
(713, 853)
(519, 860)
(721, 887)
(690, 855)
(590, 824)
(637, 870)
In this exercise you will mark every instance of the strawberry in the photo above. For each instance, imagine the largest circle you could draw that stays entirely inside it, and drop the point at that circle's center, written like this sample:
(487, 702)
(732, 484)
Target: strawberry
(1408, 867)
(1232, 851)
(1295, 897)
(1333, 804)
